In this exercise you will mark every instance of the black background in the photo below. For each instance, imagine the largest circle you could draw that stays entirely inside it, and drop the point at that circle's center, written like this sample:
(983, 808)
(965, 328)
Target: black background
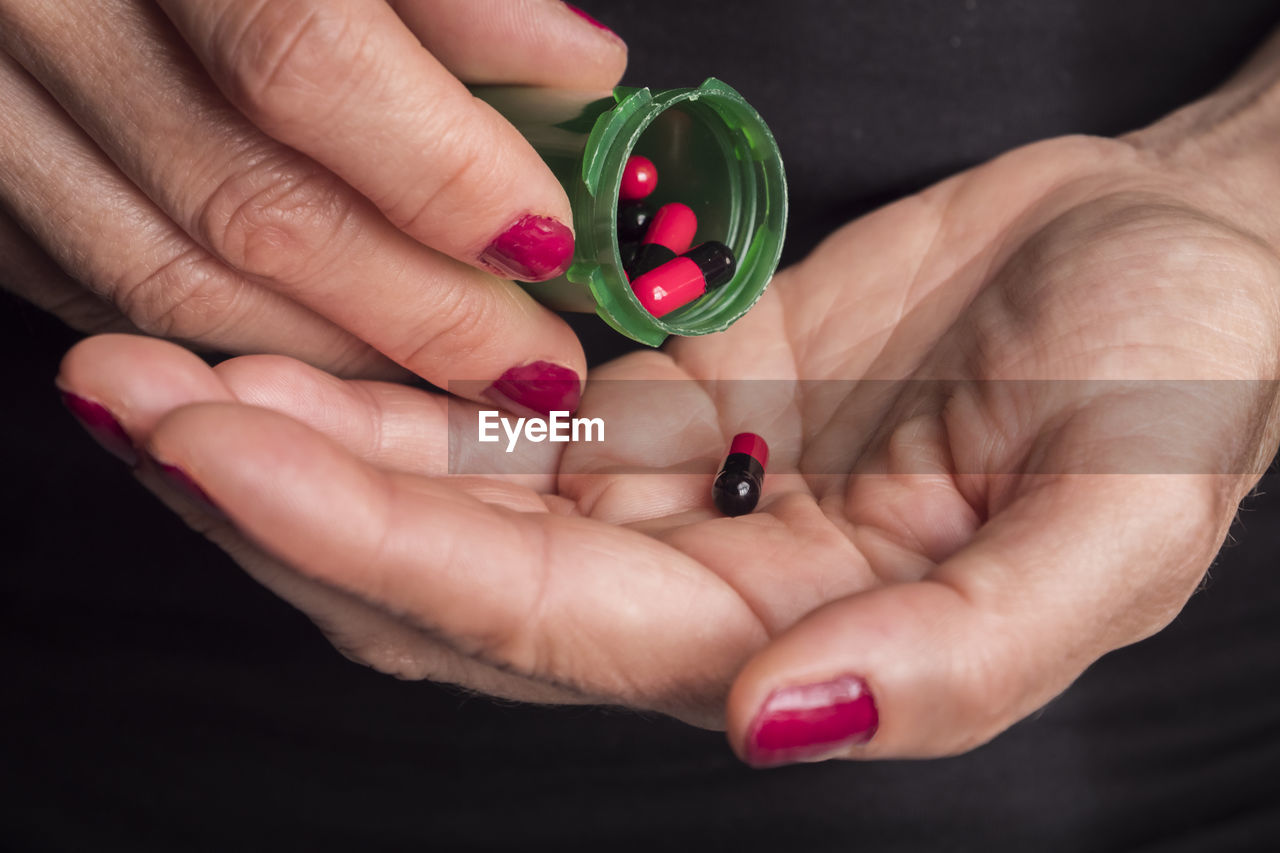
(155, 698)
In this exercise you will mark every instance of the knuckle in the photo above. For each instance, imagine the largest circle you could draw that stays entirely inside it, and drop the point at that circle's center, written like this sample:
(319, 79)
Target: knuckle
(461, 167)
(86, 313)
(991, 676)
(461, 328)
(291, 56)
(498, 636)
(282, 225)
(190, 296)
(992, 691)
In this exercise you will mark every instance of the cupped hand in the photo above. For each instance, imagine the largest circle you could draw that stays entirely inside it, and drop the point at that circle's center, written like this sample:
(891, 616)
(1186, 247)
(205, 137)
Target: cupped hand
(1040, 405)
(310, 178)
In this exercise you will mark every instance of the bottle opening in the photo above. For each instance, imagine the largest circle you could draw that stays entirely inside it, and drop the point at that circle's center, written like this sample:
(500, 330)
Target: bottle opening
(714, 154)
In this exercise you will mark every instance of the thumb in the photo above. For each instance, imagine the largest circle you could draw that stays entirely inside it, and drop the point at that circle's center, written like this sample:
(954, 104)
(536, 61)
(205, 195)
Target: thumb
(1076, 566)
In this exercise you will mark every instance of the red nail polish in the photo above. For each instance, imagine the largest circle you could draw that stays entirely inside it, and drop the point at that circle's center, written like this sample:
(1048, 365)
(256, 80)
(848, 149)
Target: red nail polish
(182, 482)
(812, 721)
(575, 10)
(103, 426)
(534, 248)
(541, 387)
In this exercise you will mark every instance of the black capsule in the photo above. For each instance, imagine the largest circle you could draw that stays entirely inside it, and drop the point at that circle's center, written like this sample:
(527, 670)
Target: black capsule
(736, 489)
(633, 220)
(718, 265)
(647, 258)
(627, 251)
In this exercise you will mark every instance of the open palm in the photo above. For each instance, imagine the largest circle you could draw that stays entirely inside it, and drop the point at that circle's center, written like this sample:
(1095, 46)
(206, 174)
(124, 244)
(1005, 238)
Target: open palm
(994, 458)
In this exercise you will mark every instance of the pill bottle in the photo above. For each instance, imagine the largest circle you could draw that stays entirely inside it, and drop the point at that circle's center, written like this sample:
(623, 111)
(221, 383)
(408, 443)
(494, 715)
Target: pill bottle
(713, 152)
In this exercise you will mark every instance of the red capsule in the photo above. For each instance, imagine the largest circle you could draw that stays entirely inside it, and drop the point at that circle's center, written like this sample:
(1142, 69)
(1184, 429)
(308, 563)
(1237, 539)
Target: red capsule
(668, 236)
(752, 445)
(737, 487)
(679, 282)
(639, 178)
(673, 226)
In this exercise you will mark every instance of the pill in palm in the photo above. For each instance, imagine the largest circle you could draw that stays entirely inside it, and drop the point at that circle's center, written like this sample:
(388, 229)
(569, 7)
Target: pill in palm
(736, 489)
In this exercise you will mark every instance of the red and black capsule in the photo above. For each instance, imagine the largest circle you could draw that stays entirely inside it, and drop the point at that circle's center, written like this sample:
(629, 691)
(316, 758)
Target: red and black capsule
(679, 282)
(736, 490)
(668, 236)
(639, 178)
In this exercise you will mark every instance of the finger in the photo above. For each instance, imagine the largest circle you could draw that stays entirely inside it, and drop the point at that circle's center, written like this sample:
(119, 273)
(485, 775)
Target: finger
(131, 382)
(137, 381)
(103, 232)
(525, 42)
(29, 273)
(1076, 567)
(557, 598)
(387, 424)
(368, 635)
(347, 83)
(280, 220)
(363, 633)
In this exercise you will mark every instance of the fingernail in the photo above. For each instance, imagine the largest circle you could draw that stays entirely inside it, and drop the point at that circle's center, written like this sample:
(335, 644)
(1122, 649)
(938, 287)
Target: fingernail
(812, 722)
(103, 426)
(182, 482)
(534, 248)
(575, 10)
(541, 386)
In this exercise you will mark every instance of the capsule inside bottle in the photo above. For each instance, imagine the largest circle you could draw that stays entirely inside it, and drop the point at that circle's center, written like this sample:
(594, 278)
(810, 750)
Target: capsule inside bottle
(639, 178)
(680, 281)
(634, 218)
(668, 236)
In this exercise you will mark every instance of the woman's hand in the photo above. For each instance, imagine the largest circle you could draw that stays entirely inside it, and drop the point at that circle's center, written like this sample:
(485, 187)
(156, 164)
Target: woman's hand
(293, 177)
(1012, 469)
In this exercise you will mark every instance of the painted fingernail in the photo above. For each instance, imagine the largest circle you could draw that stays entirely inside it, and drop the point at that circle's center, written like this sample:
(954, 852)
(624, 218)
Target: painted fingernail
(812, 722)
(541, 386)
(182, 482)
(103, 426)
(534, 248)
(575, 10)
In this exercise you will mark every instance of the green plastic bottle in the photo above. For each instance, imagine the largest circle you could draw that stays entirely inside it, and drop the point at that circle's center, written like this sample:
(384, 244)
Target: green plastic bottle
(713, 152)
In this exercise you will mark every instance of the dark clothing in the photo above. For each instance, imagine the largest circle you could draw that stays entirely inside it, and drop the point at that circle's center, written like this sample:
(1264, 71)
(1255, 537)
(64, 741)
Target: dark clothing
(155, 698)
